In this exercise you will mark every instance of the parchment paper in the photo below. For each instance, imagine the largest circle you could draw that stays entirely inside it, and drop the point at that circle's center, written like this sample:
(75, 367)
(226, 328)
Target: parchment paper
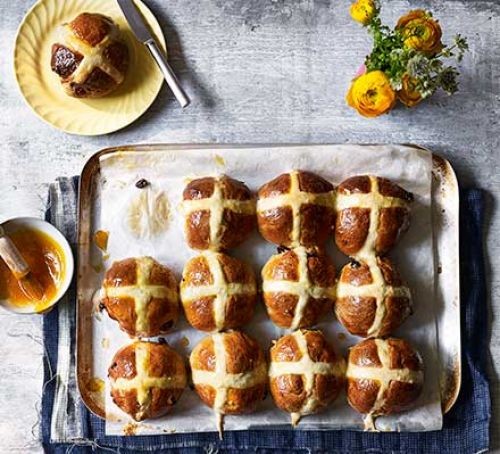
(168, 171)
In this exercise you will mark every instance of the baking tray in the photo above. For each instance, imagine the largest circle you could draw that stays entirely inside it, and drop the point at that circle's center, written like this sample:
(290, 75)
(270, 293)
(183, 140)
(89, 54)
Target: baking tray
(445, 219)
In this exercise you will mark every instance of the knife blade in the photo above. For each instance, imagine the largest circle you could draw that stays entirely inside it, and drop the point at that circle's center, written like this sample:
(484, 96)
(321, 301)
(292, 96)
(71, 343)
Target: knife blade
(142, 33)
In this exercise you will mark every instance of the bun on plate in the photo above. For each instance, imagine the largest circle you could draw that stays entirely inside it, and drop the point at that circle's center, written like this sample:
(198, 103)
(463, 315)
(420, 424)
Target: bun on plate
(90, 56)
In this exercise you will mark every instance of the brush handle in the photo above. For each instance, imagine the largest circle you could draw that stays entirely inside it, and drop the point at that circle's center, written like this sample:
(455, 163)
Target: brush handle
(12, 257)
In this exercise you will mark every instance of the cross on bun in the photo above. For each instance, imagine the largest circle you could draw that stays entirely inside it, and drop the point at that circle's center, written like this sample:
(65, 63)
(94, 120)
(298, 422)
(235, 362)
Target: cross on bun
(146, 379)
(296, 209)
(229, 373)
(372, 212)
(141, 295)
(219, 213)
(383, 377)
(298, 287)
(218, 292)
(372, 300)
(305, 373)
(90, 56)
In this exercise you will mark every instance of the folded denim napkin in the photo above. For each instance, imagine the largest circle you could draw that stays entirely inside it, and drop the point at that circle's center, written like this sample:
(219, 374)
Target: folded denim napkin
(67, 426)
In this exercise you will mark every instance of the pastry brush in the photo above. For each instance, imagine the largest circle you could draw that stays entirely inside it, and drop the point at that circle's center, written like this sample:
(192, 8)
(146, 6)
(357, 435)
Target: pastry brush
(28, 283)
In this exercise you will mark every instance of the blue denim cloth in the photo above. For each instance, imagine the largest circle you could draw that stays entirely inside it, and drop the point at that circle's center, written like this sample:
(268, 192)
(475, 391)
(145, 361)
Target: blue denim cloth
(465, 430)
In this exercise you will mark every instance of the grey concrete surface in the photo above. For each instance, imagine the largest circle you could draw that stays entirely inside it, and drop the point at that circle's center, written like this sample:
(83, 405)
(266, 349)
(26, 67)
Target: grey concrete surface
(258, 71)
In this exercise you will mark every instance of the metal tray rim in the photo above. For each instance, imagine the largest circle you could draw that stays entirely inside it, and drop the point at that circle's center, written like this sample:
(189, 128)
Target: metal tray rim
(89, 169)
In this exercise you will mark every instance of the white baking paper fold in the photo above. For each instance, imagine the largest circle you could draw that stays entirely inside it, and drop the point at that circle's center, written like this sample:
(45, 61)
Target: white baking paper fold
(168, 171)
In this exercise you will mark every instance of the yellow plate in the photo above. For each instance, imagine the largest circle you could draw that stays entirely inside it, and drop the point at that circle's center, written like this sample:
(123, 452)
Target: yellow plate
(43, 91)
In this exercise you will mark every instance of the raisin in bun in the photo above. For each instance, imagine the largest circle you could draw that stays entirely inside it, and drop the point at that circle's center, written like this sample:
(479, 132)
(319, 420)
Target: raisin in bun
(383, 377)
(219, 213)
(372, 300)
(305, 373)
(90, 56)
(141, 295)
(218, 292)
(298, 287)
(147, 379)
(229, 373)
(372, 212)
(296, 209)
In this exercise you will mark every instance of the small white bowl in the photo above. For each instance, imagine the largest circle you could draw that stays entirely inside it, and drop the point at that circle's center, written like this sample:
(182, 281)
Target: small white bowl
(14, 224)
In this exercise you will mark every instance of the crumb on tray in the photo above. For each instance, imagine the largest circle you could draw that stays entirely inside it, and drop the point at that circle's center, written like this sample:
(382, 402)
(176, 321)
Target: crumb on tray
(96, 385)
(219, 160)
(130, 429)
(101, 239)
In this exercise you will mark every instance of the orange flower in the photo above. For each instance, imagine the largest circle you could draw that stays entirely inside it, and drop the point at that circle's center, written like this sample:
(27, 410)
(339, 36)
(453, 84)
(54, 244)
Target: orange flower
(362, 11)
(408, 94)
(420, 31)
(371, 94)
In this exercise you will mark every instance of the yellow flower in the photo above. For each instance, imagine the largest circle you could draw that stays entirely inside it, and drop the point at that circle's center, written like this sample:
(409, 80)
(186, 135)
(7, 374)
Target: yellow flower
(371, 94)
(362, 11)
(408, 95)
(421, 32)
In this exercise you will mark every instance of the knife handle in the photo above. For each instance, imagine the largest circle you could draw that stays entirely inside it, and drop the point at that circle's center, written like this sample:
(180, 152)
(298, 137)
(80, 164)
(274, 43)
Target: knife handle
(168, 73)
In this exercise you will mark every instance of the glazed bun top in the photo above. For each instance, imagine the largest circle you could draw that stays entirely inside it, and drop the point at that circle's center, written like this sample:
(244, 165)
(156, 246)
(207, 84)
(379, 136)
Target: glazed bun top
(219, 213)
(384, 376)
(218, 292)
(142, 296)
(372, 212)
(296, 209)
(90, 56)
(372, 300)
(305, 373)
(298, 287)
(229, 373)
(147, 379)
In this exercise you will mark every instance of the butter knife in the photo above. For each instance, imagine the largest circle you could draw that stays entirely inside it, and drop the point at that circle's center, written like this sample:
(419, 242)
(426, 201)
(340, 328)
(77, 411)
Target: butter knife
(142, 33)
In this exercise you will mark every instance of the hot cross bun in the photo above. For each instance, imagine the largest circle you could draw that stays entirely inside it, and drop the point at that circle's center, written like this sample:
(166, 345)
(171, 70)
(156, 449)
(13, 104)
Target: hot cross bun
(229, 373)
(298, 287)
(90, 56)
(372, 212)
(296, 209)
(305, 373)
(142, 296)
(372, 300)
(383, 377)
(219, 213)
(218, 292)
(146, 379)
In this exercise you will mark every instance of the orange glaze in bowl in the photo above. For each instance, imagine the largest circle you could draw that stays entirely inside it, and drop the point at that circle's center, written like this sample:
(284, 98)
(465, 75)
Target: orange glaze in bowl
(46, 260)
